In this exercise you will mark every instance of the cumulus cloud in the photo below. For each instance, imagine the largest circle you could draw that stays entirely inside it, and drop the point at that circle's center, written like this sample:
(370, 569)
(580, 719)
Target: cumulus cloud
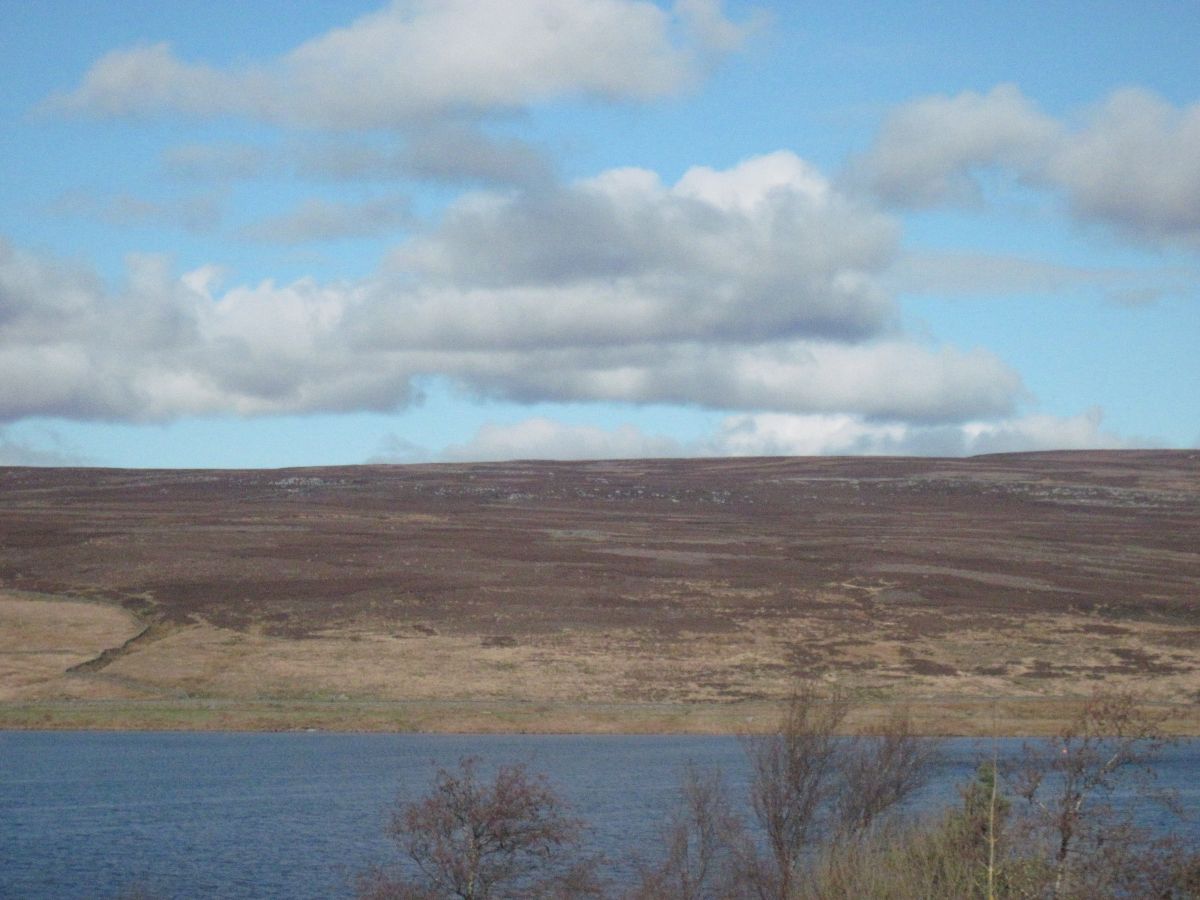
(160, 347)
(1130, 163)
(1041, 432)
(764, 249)
(767, 434)
(927, 150)
(752, 288)
(422, 58)
(1135, 165)
(892, 379)
(323, 220)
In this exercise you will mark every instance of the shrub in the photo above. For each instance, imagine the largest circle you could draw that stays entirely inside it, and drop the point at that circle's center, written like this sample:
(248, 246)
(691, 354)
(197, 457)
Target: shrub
(473, 840)
(824, 823)
(811, 788)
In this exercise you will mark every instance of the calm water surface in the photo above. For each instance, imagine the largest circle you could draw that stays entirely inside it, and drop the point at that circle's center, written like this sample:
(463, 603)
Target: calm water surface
(297, 815)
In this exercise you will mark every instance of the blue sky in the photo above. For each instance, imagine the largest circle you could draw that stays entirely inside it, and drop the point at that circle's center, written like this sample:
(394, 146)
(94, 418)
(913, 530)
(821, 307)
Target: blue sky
(278, 234)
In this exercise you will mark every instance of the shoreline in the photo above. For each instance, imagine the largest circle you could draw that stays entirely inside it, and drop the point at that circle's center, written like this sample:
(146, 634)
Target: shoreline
(1000, 717)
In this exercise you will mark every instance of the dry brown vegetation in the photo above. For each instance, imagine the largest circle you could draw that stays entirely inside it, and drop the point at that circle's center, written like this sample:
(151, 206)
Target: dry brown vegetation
(682, 595)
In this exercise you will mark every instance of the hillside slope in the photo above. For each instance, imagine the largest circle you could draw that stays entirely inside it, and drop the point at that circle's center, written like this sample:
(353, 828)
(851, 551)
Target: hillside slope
(631, 582)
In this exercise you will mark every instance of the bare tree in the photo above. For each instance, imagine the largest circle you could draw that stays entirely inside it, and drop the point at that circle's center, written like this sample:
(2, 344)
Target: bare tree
(810, 785)
(475, 840)
(1068, 784)
(704, 845)
(879, 770)
(825, 805)
(793, 773)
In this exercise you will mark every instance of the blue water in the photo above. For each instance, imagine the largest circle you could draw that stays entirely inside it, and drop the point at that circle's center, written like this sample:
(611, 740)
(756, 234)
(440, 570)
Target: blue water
(92, 815)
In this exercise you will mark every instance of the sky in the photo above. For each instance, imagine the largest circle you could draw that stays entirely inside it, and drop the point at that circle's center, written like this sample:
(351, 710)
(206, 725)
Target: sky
(288, 234)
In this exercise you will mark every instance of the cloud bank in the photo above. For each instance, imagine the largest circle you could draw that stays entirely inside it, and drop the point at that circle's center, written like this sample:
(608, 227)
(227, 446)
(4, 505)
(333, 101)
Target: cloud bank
(751, 288)
(786, 435)
(767, 434)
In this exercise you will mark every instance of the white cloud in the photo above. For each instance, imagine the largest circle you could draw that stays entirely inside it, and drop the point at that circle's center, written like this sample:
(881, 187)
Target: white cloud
(890, 379)
(754, 183)
(840, 434)
(768, 434)
(162, 347)
(1130, 163)
(927, 149)
(542, 438)
(764, 249)
(421, 58)
(1135, 165)
(750, 289)
(1081, 432)
(436, 71)
(778, 434)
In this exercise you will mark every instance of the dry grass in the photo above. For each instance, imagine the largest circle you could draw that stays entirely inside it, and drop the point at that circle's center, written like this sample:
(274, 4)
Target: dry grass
(200, 676)
(1036, 718)
(41, 638)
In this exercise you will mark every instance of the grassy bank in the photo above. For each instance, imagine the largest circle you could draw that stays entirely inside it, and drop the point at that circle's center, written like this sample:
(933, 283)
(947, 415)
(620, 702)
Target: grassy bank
(1004, 717)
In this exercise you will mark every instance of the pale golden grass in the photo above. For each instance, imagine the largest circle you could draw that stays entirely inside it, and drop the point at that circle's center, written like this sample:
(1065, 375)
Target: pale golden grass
(396, 676)
(41, 638)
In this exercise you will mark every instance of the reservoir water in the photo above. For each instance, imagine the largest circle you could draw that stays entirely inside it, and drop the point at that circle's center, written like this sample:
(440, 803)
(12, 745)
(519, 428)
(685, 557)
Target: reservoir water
(96, 815)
